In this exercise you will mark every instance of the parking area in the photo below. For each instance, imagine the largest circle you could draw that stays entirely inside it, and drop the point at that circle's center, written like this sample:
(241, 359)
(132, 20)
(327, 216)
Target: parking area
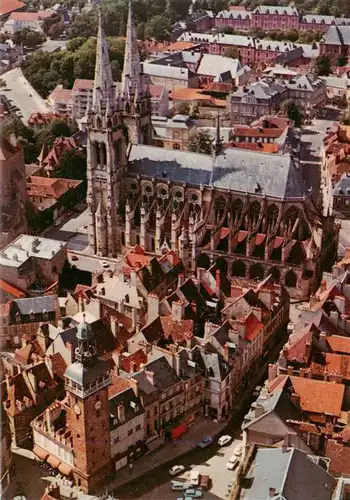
(215, 467)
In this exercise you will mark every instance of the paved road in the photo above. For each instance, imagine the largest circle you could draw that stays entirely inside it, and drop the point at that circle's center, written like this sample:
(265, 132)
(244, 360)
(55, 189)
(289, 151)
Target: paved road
(22, 94)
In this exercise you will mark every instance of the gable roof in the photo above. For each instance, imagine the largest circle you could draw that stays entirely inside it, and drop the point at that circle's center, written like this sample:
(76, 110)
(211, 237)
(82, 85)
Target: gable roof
(292, 473)
(318, 396)
(11, 290)
(35, 305)
(214, 65)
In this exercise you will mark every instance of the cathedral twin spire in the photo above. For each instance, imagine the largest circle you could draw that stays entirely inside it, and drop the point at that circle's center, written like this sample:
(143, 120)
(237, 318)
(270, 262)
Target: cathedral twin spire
(104, 99)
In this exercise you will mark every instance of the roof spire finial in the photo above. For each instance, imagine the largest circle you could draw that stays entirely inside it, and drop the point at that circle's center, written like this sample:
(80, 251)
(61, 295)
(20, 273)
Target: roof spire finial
(132, 75)
(103, 98)
(218, 143)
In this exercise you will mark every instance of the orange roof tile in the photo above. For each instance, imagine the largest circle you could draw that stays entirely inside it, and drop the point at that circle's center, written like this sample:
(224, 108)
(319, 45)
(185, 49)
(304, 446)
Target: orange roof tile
(318, 396)
(178, 331)
(80, 83)
(333, 364)
(49, 187)
(63, 95)
(138, 357)
(119, 384)
(272, 133)
(253, 326)
(8, 6)
(339, 344)
(11, 290)
(339, 455)
(178, 46)
(30, 16)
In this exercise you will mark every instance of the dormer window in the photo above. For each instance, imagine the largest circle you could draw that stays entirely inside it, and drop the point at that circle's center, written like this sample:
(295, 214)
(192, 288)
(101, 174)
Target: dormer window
(31, 315)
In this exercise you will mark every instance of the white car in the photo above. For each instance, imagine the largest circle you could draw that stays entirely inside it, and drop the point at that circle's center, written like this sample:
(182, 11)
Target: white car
(223, 440)
(176, 469)
(238, 450)
(232, 463)
(194, 477)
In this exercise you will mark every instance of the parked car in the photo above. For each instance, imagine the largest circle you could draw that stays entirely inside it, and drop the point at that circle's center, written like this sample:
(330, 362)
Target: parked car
(232, 463)
(237, 452)
(193, 493)
(176, 469)
(207, 441)
(178, 486)
(223, 440)
(194, 477)
(204, 482)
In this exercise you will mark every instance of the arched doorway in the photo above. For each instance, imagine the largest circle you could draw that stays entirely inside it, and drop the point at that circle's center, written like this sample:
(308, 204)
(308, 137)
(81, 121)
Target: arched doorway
(238, 268)
(203, 261)
(221, 264)
(275, 274)
(257, 271)
(291, 279)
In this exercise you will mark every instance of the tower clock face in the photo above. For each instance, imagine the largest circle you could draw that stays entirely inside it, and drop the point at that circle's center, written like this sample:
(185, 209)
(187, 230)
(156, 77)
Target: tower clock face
(77, 409)
(98, 405)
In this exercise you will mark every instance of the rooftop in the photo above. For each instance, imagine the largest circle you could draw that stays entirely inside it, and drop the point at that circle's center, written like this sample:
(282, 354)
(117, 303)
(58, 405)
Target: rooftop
(27, 246)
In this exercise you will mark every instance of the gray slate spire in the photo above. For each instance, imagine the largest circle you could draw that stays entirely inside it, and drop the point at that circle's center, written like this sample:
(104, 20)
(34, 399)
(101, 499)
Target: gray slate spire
(104, 94)
(132, 79)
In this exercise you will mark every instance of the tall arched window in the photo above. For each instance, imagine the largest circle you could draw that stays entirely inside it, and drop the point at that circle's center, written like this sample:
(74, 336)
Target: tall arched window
(103, 153)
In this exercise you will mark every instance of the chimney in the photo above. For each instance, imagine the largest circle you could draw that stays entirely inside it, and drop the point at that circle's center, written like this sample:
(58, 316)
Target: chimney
(323, 286)
(150, 376)
(153, 307)
(117, 361)
(286, 442)
(135, 387)
(272, 492)
(181, 279)
(48, 362)
(134, 317)
(133, 367)
(114, 325)
(121, 412)
(178, 310)
(226, 351)
(218, 280)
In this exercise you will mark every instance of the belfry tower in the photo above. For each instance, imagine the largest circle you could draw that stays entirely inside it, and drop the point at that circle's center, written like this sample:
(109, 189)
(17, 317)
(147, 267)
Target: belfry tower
(137, 107)
(106, 155)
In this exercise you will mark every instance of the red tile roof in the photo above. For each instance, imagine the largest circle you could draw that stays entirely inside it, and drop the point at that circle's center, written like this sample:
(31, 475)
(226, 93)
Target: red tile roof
(318, 396)
(339, 344)
(30, 16)
(272, 133)
(138, 357)
(49, 187)
(333, 364)
(137, 258)
(82, 84)
(339, 454)
(11, 290)
(60, 146)
(8, 6)
(38, 118)
(58, 365)
(61, 95)
(178, 331)
(253, 326)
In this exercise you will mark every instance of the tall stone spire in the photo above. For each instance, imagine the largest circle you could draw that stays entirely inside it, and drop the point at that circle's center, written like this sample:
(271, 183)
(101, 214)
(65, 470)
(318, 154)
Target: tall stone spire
(132, 79)
(104, 94)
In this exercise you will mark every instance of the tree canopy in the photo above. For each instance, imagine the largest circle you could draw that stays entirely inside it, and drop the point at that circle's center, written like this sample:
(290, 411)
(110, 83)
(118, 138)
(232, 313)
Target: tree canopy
(323, 65)
(200, 141)
(292, 110)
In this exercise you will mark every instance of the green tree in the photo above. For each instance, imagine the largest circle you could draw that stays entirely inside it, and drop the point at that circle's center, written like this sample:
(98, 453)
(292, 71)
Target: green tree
(342, 61)
(72, 165)
(200, 141)
(84, 25)
(75, 43)
(323, 65)
(33, 39)
(25, 138)
(50, 21)
(56, 30)
(232, 52)
(292, 110)
(182, 109)
(159, 28)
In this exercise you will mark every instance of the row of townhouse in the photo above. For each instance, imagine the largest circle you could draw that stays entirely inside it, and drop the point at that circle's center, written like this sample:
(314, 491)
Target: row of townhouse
(272, 18)
(153, 391)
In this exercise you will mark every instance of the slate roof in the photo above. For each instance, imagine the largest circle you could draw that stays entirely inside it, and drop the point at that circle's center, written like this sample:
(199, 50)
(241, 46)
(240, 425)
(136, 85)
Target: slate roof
(36, 305)
(274, 9)
(292, 473)
(337, 35)
(164, 376)
(216, 367)
(234, 169)
(83, 374)
(132, 406)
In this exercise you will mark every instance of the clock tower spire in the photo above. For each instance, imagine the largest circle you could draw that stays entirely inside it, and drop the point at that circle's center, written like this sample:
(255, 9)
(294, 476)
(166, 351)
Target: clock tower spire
(87, 382)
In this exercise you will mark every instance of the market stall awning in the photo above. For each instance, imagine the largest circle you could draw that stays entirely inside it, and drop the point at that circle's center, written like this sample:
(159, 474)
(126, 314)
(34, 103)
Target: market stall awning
(65, 469)
(39, 452)
(53, 461)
